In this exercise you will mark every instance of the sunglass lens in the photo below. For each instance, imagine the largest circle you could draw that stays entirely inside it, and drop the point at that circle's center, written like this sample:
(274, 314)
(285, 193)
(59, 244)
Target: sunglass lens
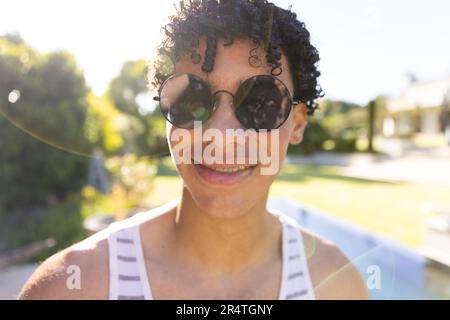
(184, 99)
(262, 102)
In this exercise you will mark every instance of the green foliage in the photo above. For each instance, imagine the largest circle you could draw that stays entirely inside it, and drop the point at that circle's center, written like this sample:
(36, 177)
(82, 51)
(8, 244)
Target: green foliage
(338, 117)
(61, 221)
(40, 126)
(132, 182)
(346, 141)
(104, 124)
(49, 124)
(124, 89)
(42, 147)
(130, 94)
(314, 137)
(155, 138)
(335, 126)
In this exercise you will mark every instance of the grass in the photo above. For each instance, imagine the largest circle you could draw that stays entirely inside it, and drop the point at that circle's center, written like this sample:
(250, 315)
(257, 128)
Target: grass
(393, 210)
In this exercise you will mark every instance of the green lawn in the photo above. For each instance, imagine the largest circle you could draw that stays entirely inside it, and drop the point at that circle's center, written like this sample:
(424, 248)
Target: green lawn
(394, 210)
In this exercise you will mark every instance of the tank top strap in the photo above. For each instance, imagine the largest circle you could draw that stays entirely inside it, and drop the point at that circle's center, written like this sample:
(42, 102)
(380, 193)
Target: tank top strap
(128, 277)
(296, 282)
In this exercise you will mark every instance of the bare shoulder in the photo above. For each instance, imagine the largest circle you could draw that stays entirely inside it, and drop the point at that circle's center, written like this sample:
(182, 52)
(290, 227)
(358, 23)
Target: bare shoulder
(333, 275)
(78, 272)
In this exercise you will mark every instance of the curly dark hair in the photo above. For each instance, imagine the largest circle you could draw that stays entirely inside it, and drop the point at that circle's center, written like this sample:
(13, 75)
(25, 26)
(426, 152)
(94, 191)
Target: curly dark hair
(258, 20)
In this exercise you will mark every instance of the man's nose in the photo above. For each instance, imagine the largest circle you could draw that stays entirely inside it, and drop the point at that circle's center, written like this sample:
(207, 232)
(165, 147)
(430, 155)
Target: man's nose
(223, 117)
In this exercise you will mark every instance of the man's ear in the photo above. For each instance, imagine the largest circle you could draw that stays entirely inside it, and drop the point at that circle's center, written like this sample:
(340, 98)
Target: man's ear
(300, 121)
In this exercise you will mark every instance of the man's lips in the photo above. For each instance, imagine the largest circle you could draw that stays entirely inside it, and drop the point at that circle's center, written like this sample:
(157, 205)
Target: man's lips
(224, 174)
(227, 168)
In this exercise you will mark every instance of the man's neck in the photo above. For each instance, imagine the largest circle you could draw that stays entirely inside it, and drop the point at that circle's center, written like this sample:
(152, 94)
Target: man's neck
(226, 244)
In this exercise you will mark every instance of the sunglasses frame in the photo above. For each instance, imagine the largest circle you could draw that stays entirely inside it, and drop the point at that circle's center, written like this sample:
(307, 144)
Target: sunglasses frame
(291, 101)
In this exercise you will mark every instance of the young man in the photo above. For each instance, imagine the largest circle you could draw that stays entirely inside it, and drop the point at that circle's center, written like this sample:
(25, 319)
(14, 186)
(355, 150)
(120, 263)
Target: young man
(239, 66)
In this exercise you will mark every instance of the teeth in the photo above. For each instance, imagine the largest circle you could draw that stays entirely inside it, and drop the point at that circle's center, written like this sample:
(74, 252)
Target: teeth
(228, 170)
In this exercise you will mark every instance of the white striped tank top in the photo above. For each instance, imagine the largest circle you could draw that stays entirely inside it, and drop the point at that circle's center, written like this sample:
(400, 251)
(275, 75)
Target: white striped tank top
(128, 278)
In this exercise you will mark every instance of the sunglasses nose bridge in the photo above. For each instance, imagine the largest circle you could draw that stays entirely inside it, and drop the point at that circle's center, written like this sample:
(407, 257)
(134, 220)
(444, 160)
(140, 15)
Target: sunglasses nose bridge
(223, 116)
(216, 96)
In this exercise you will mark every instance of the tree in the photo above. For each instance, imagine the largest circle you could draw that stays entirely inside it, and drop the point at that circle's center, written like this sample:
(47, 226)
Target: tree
(104, 124)
(129, 93)
(43, 152)
(371, 108)
(42, 113)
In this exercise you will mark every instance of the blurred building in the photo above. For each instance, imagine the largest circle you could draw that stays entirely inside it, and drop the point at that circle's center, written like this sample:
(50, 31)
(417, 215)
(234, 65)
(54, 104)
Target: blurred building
(422, 108)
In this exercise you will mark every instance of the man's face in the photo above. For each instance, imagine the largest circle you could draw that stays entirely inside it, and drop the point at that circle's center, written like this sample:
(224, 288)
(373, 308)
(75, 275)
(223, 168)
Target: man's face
(227, 189)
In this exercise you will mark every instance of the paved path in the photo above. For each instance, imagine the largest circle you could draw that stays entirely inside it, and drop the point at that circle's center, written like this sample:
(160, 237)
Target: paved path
(421, 165)
(12, 280)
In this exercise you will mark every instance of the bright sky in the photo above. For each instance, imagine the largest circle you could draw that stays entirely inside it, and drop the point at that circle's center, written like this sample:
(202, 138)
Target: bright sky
(366, 46)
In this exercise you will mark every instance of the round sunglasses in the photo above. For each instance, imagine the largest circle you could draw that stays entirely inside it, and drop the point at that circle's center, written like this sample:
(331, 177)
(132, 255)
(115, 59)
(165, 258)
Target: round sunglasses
(262, 102)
